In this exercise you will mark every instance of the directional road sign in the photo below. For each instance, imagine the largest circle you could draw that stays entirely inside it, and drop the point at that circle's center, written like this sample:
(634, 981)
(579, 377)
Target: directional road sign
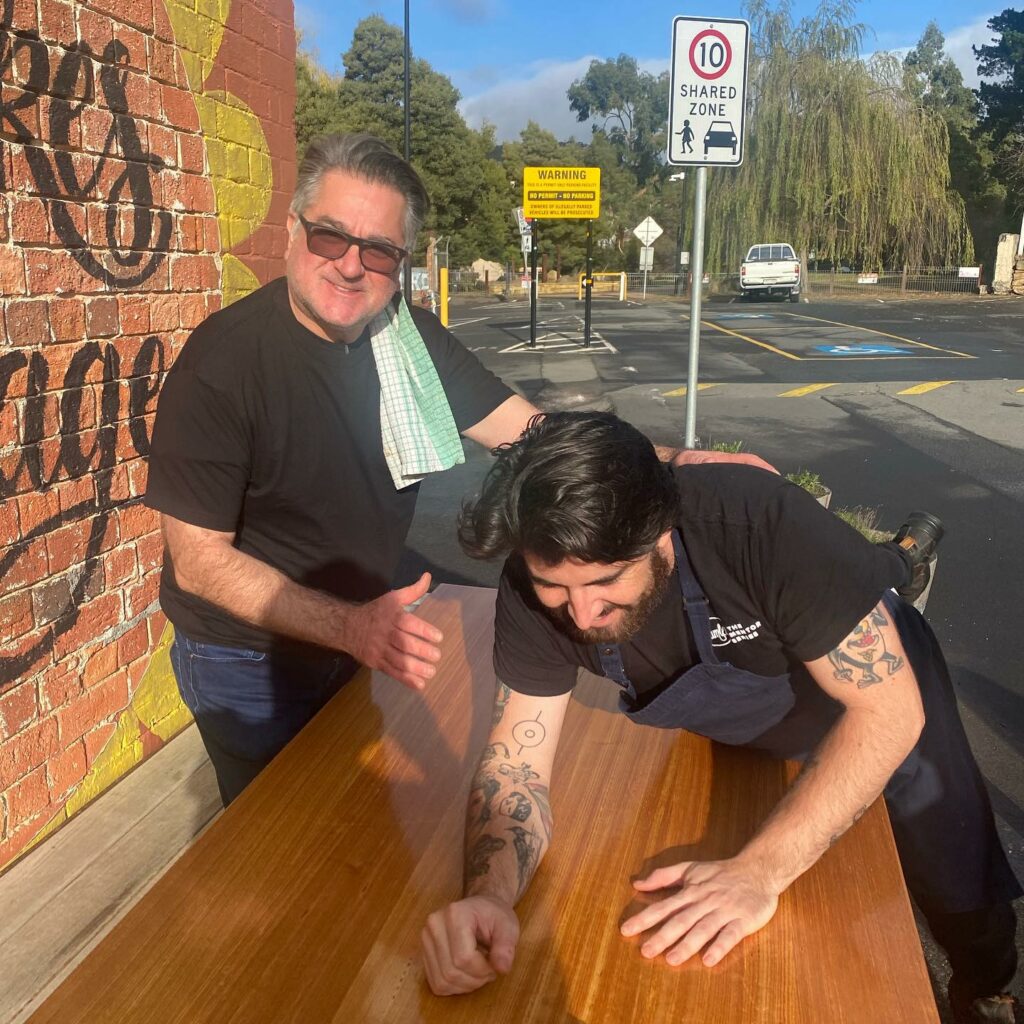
(648, 230)
(562, 193)
(707, 105)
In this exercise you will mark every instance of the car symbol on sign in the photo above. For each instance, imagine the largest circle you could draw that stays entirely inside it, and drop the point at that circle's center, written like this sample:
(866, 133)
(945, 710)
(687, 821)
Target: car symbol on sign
(720, 136)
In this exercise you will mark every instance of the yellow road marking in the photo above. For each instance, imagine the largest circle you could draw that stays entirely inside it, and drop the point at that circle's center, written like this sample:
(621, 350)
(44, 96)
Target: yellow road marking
(807, 389)
(884, 334)
(682, 391)
(920, 389)
(753, 341)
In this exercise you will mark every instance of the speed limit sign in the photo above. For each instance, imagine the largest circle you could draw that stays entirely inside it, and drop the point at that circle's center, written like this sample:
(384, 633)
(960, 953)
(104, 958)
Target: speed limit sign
(707, 109)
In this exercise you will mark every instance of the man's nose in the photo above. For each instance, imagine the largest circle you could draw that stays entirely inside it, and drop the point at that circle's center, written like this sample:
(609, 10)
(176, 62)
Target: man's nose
(584, 609)
(350, 265)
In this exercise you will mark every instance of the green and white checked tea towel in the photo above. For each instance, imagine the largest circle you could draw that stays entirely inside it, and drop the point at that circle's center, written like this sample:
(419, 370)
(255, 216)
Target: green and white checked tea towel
(416, 424)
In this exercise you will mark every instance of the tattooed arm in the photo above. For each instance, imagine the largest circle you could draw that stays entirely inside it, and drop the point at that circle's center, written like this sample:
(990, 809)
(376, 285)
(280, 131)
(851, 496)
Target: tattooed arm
(508, 828)
(721, 902)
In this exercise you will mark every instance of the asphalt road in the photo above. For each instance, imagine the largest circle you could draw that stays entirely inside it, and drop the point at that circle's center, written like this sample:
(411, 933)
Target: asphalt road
(899, 405)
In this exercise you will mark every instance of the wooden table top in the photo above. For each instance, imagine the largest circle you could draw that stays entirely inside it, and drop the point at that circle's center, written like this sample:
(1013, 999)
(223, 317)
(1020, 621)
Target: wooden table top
(304, 901)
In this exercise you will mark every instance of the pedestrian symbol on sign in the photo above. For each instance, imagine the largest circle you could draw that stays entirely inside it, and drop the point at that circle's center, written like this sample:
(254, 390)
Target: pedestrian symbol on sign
(687, 133)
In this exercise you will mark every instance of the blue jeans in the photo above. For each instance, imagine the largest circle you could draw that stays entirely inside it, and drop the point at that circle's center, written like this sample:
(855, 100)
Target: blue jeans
(249, 704)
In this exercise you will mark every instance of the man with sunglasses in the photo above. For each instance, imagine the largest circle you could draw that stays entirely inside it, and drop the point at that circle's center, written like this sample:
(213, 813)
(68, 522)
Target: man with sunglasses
(282, 519)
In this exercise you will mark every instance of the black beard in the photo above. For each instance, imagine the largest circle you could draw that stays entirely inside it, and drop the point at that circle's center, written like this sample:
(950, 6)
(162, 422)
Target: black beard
(634, 615)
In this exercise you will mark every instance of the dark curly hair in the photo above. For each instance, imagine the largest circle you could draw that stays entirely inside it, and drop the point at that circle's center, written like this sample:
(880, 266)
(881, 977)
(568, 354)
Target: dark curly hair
(583, 485)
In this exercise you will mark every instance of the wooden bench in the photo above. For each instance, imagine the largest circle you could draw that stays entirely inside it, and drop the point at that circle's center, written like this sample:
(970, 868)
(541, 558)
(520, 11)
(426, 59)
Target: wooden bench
(304, 901)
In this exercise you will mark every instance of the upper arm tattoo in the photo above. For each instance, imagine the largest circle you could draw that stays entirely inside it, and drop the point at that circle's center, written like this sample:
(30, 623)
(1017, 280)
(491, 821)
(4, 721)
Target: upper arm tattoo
(863, 653)
(500, 701)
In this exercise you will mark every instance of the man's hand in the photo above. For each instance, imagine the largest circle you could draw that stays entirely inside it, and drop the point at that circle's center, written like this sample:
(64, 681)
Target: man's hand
(720, 902)
(693, 457)
(383, 635)
(468, 944)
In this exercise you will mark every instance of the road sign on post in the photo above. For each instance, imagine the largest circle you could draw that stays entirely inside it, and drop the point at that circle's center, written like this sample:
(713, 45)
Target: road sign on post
(707, 104)
(562, 193)
(648, 230)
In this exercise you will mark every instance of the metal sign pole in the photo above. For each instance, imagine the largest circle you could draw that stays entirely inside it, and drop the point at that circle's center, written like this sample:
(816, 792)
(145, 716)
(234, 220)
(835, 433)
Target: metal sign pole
(533, 286)
(696, 284)
(588, 284)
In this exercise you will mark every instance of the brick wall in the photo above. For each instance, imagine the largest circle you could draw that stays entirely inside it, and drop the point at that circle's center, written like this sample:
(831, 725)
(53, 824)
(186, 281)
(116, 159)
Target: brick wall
(146, 162)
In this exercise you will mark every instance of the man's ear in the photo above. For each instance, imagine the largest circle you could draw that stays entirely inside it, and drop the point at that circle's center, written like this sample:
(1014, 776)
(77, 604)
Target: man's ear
(664, 546)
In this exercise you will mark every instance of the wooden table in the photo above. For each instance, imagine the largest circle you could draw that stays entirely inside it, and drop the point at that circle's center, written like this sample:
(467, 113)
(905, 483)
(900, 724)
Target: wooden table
(304, 901)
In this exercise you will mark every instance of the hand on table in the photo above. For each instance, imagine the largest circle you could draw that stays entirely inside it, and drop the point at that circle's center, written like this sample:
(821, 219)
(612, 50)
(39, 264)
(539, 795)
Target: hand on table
(720, 902)
(387, 637)
(694, 457)
(468, 944)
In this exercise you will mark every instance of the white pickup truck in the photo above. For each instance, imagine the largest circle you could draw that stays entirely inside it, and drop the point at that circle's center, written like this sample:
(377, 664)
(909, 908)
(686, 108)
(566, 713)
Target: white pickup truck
(771, 269)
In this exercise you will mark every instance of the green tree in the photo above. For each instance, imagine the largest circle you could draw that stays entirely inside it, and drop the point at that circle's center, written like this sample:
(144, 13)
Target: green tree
(633, 106)
(468, 192)
(841, 156)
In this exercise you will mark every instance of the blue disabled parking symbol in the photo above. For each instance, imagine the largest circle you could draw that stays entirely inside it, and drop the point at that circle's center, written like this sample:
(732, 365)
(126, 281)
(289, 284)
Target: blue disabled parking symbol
(862, 350)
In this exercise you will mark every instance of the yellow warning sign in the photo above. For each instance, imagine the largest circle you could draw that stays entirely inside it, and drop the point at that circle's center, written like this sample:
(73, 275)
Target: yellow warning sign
(562, 193)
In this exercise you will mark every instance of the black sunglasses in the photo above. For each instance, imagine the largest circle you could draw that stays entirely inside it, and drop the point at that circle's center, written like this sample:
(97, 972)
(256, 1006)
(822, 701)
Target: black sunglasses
(332, 244)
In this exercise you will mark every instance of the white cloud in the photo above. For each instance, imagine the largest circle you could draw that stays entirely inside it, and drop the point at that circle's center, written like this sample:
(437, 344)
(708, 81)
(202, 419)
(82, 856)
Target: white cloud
(538, 94)
(959, 43)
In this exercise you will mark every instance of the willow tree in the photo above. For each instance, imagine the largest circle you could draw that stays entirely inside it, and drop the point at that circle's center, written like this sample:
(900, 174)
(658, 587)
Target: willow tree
(841, 155)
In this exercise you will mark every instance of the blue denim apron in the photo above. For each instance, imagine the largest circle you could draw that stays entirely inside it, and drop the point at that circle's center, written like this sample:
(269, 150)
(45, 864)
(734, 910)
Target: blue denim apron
(938, 805)
(714, 698)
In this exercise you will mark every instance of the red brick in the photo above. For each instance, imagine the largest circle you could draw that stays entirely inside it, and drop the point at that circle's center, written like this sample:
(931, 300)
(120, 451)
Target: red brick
(56, 21)
(143, 594)
(29, 567)
(157, 622)
(60, 684)
(211, 235)
(151, 551)
(120, 565)
(162, 61)
(96, 739)
(54, 111)
(10, 527)
(138, 472)
(10, 431)
(27, 798)
(58, 596)
(131, 12)
(27, 750)
(18, 473)
(163, 143)
(18, 837)
(76, 495)
(67, 769)
(97, 124)
(135, 43)
(137, 520)
(133, 644)
(66, 546)
(191, 153)
(101, 318)
(12, 271)
(134, 313)
(94, 29)
(70, 218)
(163, 313)
(100, 703)
(102, 664)
(27, 655)
(37, 509)
(16, 615)
(17, 709)
(29, 222)
(57, 272)
(28, 322)
(94, 619)
(179, 109)
(78, 79)
(31, 58)
(23, 15)
(67, 319)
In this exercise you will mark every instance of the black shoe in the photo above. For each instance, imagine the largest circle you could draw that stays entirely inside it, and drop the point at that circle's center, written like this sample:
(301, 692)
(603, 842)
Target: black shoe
(1000, 1009)
(919, 536)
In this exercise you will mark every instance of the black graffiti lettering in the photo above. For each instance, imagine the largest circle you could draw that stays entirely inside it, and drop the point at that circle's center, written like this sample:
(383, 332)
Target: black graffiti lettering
(74, 460)
(144, 385)
(135, 258)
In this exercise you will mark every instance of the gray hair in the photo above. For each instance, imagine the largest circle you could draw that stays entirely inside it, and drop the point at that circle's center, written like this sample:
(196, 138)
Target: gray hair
(366, 157)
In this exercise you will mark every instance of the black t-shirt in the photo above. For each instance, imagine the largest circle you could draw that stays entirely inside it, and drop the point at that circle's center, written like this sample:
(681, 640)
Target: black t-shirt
(267, 431)
(786, 581)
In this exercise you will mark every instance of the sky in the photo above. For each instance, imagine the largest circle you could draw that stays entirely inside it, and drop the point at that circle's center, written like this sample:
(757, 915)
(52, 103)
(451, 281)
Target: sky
(513, 62)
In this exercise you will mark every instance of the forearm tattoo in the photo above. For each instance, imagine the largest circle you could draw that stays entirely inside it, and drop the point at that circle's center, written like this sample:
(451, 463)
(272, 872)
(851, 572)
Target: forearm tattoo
(503, 789)
(860, 657)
